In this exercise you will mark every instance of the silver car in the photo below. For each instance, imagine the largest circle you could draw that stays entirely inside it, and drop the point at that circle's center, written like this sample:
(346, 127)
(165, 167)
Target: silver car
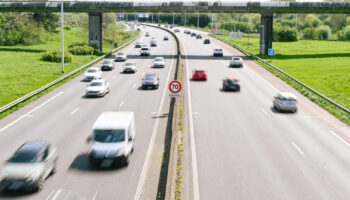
(30, 166)
(130, 66)
(107, 64)
(236, 62)
(158, 62)
(121, 56)
(97, 88)
(285, 101)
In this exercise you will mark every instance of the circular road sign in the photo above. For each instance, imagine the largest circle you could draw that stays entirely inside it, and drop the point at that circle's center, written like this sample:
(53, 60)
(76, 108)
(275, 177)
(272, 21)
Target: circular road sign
(175, 86)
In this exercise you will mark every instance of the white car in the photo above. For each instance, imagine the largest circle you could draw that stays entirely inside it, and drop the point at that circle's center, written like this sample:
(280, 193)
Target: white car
(97, 88)
(107, 64)
(121, 56)
(30, 166)
(145, 50)
(130, 66)
(158, 62)
(147, 34)
(285, 101)
(236, 62)
(153, 42)
(92, 73)
(218, 52)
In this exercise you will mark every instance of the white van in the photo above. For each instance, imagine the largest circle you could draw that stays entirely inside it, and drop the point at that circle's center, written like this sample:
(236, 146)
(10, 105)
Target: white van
(113, 139)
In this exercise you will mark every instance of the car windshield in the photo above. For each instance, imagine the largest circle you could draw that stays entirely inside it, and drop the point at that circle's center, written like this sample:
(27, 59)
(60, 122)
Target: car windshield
(109, 136)
(24, 157)
(199, 71)
(92, 70)
(218, 49)
(129, 64)
(107, 62)
(235, 58)
(144, 48)
(120, 54)
(233, 81)
(95, 84)
(150, 78)
(158, 59)
(287, 99)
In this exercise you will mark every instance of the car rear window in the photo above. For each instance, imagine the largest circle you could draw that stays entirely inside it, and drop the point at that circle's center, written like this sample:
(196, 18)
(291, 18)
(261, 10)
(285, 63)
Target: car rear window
(150, 78)
(95, 84)
(130, 64)
(109, 136)
(91, 70)
(235, 58)
(107, 62)
(24, 157)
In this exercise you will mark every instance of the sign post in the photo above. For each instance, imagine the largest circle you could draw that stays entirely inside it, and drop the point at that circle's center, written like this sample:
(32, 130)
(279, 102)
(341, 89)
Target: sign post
(271, 53)
(175, 88)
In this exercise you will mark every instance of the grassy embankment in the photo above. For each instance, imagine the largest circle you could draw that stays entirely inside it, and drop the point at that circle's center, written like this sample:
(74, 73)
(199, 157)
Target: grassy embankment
(323, 65)
(22, 71)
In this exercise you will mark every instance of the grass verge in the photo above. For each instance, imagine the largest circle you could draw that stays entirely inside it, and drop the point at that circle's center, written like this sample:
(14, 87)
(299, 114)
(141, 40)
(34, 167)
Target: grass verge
(340, 114)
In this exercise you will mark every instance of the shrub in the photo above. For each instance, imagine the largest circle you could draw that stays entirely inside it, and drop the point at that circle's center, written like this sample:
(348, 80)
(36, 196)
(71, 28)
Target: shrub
(346, 33)
(322, 32)
(67, 27)
(285, 34)
(55, 56)
(309, 33)
(82, 49)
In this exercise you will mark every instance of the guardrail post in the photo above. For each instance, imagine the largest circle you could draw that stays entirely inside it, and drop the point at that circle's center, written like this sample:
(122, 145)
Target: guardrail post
(95, 30)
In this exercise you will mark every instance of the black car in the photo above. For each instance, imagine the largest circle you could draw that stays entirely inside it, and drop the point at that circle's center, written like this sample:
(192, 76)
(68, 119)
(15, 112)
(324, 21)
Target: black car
(231, 84)
(206, 41)
(193, 35)
(198, 37)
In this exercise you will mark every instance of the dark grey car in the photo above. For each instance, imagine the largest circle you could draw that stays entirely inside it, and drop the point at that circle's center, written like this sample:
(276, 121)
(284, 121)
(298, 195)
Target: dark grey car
(150, 81)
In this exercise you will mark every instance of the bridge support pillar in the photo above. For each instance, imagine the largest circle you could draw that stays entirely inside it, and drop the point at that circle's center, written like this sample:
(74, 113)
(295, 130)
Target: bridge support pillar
(266, 33)
(95, 30)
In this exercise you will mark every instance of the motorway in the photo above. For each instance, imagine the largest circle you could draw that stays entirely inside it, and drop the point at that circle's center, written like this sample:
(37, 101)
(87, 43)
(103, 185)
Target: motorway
(238, 147)
(65, 118)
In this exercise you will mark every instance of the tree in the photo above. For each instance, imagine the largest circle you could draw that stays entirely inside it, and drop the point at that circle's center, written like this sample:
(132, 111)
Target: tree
(322, 32)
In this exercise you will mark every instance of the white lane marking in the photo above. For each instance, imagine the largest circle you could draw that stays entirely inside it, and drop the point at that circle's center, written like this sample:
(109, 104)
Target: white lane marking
(193, 145)
(297, 148)
(56, 194)
(67, 195)
(146, 163)
(341, 139)
(95, 195)
(30, 116)
(263, 110)
(134, 86)
(114, 76)
(74, 111)
(30, 112)
(245, 90)
(251, 71)
(48, 197)
(121, 104)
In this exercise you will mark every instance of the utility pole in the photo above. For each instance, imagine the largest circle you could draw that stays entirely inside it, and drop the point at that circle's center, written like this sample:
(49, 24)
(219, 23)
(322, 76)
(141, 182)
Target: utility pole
(62, 39)
(198, 20)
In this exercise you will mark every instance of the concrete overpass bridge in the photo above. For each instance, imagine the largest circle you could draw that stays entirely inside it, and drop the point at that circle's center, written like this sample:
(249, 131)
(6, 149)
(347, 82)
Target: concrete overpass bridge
(95, 8)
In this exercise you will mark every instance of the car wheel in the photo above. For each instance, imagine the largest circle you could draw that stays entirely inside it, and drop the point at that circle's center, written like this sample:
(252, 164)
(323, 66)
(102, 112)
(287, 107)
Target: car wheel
(238, 89)
(126, 160)
(39, 185)
(53, 171)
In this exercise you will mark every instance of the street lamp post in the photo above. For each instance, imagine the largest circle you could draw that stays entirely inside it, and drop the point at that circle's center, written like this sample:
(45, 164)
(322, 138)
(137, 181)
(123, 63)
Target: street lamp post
(62, 39)
(185, 20)
(198, 21)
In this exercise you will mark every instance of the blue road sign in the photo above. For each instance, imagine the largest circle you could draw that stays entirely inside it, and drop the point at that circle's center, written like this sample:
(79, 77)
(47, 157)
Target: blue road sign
(271, 52)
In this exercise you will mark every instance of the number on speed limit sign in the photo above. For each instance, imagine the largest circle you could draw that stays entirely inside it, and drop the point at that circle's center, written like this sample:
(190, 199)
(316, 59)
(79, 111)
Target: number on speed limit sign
(175, 86)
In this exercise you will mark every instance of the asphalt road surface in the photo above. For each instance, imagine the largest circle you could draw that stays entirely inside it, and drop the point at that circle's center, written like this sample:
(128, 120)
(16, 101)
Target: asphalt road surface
(65, 118)
(239, 147)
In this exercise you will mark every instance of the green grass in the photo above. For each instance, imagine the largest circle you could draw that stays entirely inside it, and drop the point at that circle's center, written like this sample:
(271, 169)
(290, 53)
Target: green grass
(22, 71)
(323, 65)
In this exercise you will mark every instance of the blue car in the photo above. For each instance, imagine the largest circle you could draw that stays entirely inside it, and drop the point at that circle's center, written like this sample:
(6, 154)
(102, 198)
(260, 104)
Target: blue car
(166, 37)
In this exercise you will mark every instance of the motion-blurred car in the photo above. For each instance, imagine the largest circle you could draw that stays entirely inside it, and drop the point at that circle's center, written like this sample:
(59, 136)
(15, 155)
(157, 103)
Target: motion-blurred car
(198, 37)
(285, 101)
(97, 88)
(138, 44)
(158, 62)
(193, 35)
(150, 81)
(236, 62)
(206, 41)
(200, 74)
(218, 52)
(129, 66)
(121, 56)
(185, 31)
(107, 64)
(176, 30)
(188, 32)
(166, 37)
(171, 26)
(145, 50)
(30, 166)
(231, 83)
(147, 34)
(92, 73)
(153, 43)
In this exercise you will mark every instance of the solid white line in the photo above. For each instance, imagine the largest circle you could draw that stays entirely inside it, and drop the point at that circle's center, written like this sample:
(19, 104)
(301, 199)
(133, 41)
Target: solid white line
(341, 139)
(195, 113)
(263, 110)
(95, 195)
(56, 194)
(30, 112)
(121, 104)
(74, 111)
(193, 144)
(48, 197)
(134, 86)
(295, 146)
(146, 163)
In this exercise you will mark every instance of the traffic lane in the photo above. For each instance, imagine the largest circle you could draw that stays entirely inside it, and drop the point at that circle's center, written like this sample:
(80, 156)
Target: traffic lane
(220, 104)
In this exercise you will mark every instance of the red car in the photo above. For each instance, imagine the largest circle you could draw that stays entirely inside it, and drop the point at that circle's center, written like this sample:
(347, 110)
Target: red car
(200, 74)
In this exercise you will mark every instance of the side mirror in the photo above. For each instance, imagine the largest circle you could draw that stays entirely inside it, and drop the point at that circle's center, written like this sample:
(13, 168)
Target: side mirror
(89, 139)
(130, 139)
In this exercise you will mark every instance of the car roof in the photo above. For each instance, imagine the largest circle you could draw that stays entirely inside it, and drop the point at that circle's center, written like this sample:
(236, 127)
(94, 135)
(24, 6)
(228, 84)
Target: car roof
(287, 95)
(33, 146)
(150, 74)
(200, 69)
(98, 81)
(94, 68)
(231, 78)
(159, 57)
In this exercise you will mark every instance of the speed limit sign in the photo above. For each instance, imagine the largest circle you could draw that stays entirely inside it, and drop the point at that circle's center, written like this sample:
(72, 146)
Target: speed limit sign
(175, 87)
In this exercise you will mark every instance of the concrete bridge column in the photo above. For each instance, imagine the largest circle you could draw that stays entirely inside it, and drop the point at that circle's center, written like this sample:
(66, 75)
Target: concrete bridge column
(266, 33)
(95, 30)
